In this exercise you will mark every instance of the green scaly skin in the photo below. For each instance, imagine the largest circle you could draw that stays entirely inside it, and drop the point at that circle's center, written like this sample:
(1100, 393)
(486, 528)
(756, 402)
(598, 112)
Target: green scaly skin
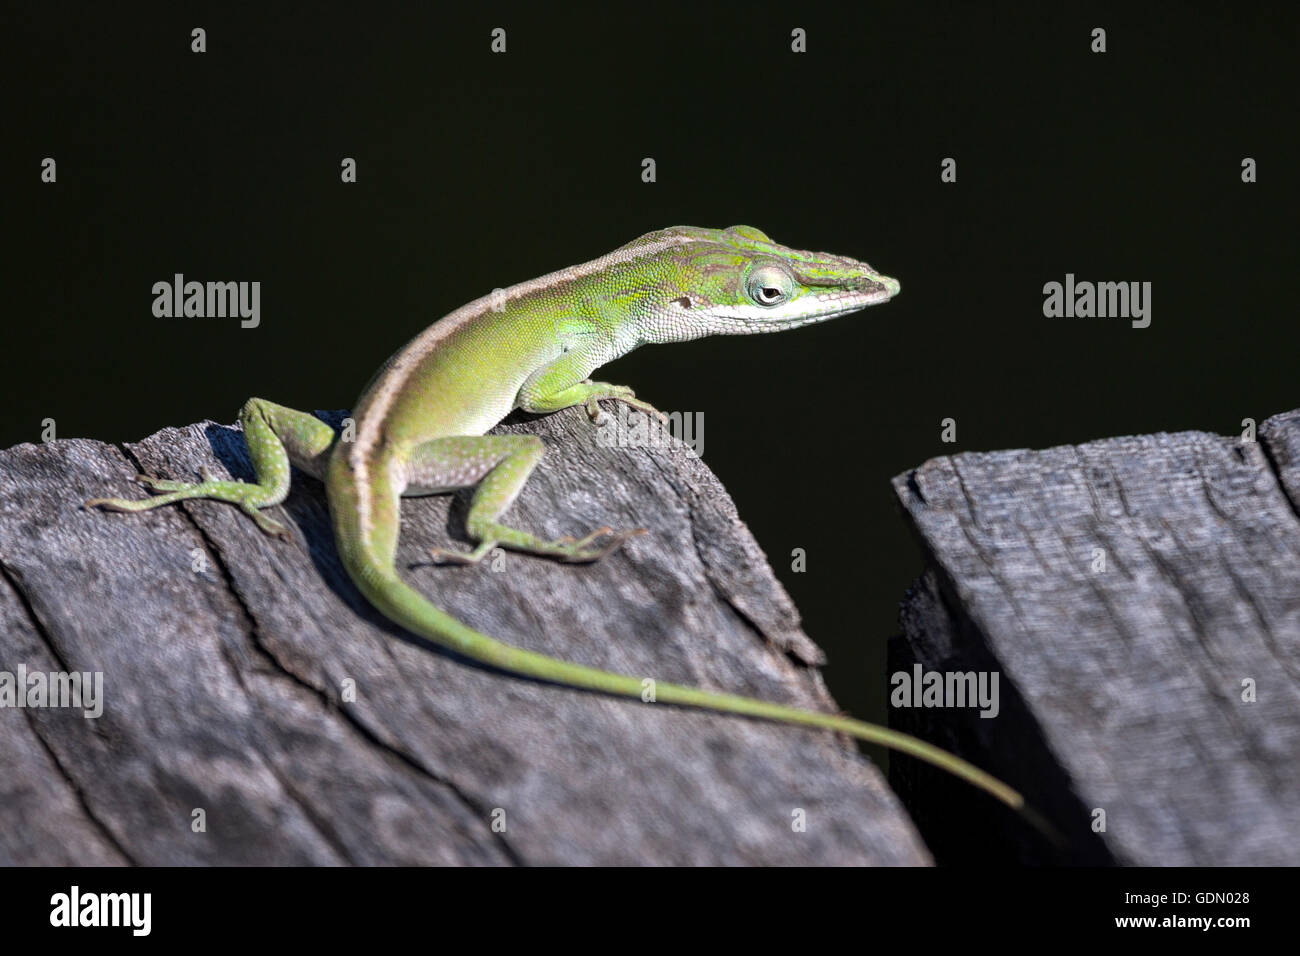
(421, 428)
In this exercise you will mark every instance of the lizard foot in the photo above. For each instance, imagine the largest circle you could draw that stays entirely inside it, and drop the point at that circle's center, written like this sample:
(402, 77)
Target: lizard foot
(446, 556)
(582, 550)
(625, 395)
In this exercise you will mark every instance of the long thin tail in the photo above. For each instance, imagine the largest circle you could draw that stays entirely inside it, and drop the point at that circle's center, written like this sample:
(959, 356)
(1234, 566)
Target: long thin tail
(406, 606)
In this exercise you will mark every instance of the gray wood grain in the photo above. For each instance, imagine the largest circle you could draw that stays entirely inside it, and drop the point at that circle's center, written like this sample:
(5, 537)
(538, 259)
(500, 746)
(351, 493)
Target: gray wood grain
(226, 655)
(1123, 688)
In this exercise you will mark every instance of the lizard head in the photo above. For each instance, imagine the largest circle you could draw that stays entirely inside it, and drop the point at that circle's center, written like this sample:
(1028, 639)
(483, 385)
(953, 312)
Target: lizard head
(738, 281)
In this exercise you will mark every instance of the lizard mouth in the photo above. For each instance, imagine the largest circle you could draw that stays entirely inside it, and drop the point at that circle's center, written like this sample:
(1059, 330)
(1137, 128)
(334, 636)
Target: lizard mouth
(829, 304)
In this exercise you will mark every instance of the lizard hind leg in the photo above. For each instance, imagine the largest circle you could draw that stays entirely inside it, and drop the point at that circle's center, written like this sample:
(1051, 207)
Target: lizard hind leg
(499, 465)
(276, 437)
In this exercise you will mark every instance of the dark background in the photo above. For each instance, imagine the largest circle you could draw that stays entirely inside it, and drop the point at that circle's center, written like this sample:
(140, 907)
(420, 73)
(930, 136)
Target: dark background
(478, 171)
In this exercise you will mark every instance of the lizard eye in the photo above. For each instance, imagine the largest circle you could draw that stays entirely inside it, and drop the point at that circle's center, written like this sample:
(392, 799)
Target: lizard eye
(769, 286)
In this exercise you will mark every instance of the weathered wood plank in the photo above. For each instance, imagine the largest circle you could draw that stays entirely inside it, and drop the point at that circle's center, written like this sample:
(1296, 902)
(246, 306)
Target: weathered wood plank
(1279, 436)
(1122, 683)
(226, 655)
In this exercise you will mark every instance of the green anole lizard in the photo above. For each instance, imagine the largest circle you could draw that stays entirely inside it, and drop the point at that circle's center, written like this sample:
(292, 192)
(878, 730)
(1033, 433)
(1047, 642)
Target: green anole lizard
(421, 428)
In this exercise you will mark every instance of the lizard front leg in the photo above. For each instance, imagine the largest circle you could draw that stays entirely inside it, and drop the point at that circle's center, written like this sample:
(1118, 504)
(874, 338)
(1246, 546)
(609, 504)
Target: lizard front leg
(564, 383)
(589, 394)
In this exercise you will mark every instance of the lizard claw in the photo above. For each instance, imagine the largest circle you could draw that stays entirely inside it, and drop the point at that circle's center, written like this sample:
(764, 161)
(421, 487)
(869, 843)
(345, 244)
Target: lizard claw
(625, 395)
(581, 551)
(443, 556)
(269, 525)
